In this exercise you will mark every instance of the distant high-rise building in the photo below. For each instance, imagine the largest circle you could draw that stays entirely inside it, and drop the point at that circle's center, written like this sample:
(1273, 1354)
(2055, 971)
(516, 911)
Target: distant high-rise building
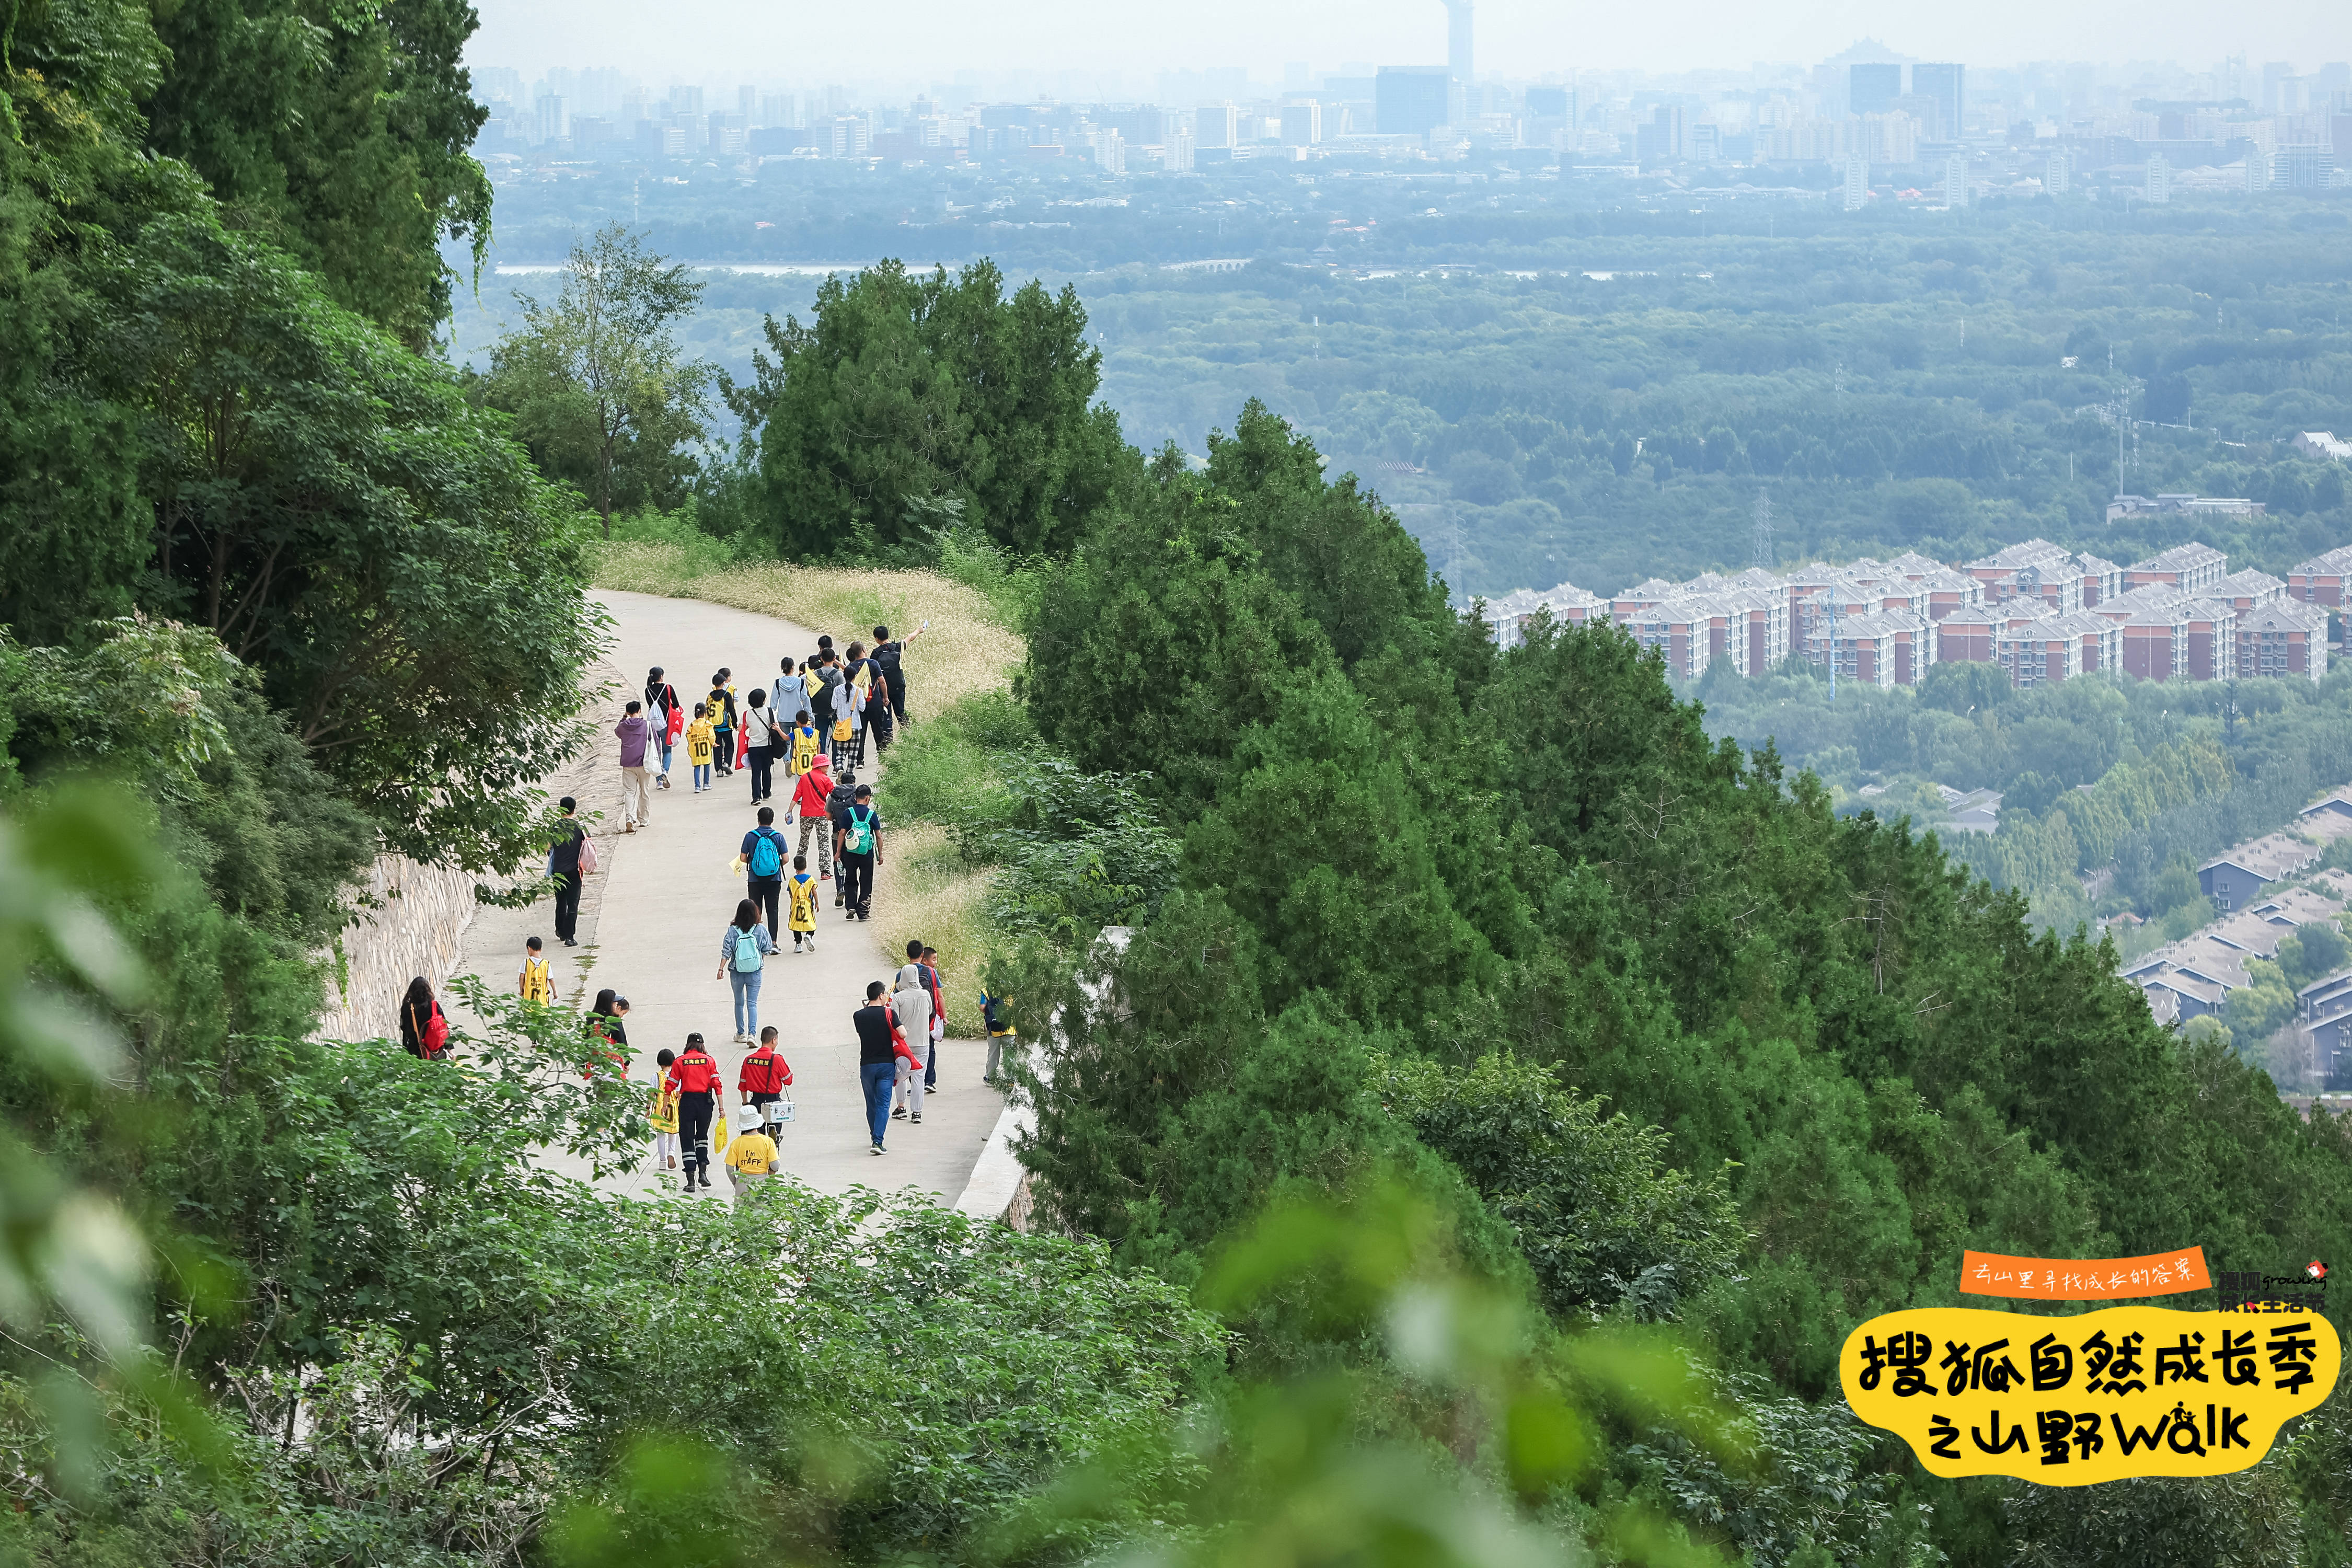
(2258, 168)
(1110, 152)
(1215, 125)
(1706, 142)
(1457, 41)
(1872, 87)
(552, 125)
(2158, 187)
(497, 84)
(747, 103)
(1302, 124)
(780, 109)
(1410, 101)
(685, 100)
(1955, 180)
(1662, 138)
(1549, 103)
(1857, 184)
(1178, 157)
(1946, 84)
(2058, 175)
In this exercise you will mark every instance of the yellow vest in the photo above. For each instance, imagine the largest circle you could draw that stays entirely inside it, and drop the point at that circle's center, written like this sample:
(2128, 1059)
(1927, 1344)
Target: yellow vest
(537, 986)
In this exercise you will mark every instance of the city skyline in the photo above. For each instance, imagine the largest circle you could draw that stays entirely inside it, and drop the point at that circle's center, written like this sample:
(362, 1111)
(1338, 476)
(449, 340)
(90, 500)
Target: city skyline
(709, 39)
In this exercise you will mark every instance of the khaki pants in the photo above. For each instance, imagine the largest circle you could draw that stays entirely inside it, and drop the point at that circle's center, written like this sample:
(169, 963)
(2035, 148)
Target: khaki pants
(636, 795)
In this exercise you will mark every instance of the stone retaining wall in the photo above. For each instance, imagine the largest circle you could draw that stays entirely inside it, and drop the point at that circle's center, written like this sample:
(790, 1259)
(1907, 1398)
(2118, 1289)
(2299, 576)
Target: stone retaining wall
(415, 924)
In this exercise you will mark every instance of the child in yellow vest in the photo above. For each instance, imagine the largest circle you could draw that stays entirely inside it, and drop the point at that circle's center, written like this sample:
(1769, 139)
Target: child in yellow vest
(701, 744)
(663, 1114)
(803, 888)
(532, 982)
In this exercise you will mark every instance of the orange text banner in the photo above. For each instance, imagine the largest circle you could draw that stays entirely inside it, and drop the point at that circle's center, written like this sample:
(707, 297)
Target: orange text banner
(2084, 1278)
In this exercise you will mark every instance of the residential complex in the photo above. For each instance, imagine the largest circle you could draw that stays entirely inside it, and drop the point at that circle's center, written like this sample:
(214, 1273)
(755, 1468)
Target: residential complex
(2041, 613)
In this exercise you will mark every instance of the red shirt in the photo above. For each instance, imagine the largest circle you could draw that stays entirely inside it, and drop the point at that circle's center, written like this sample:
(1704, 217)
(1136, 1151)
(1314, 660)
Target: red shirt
(764, 1072)
(811, 793)
(694, 1072)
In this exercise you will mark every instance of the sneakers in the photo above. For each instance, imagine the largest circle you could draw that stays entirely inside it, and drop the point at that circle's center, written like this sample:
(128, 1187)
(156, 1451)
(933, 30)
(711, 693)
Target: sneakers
(916, 1119)
(825, 875)
(897, 1112)
(877, 1149)
(930, 1088)
(628, 827)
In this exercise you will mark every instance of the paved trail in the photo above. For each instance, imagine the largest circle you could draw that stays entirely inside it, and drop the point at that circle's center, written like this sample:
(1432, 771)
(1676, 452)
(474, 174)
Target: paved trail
(652, 931)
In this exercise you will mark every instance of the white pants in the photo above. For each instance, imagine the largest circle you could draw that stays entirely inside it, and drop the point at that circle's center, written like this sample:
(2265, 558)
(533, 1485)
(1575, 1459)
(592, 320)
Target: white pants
(636, 795)
(665, 1150)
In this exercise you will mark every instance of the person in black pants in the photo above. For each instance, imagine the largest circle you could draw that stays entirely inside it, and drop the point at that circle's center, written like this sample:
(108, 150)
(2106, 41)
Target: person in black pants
(760, 845)
(857, 851)
(762, 738)
(563, 864)
(695, 1076)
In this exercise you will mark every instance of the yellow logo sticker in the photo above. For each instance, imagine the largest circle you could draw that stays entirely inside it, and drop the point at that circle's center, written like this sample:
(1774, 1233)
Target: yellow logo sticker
(2128, 1391)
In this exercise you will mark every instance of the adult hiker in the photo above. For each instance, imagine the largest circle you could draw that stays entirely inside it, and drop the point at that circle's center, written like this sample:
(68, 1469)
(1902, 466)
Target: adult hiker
(930, 962)
(889, 656)
(667, 717)
(694, 1078)
(571, 856)
(743, 948)
(881, 1048)
(996, 1016)
(910, 998)
(424, 1028)
(858, 850)
(858, 689)
(761, 861)
(787, 694)
(812, 799)
(637, 793)
(824, 685)
(607, 1034)
(764, 738)
(722, 704)
(762, 1079)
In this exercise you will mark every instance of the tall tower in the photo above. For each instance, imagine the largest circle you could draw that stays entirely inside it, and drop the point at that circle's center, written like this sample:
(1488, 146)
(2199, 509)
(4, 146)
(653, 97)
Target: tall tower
(1457, 47)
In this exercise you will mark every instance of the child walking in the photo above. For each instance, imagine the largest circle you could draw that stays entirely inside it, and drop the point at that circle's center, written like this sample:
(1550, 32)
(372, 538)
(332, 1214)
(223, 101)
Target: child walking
(663, 1113)
(803, 888)
(701, 746)
(532, 982)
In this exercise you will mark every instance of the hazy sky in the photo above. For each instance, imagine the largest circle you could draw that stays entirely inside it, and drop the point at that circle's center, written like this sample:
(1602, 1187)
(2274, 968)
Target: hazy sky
(913, 41)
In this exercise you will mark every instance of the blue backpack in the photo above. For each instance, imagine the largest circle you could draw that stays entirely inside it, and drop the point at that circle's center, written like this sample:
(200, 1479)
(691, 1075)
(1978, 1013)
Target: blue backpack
(767, 853)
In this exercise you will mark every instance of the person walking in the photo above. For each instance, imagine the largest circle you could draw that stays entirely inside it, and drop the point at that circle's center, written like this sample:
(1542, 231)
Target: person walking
(751, 1158)
(722, 704)
(881, 1050)
(805, 743)
(743, 947)
(762, 1079)
(996, 1016)
(569, 858)
(787, 694)
(824, 682)
(910, 998)
(857, 851)
(637, 793)
(662, 1113)
(857, 687)
(763, 738)
(667, 716)
(701, 746)
(607, 1035)
(812, 799)
(890, 657)
(533, 982)
(424, 1028)
(695, 1079)
(761, 861)
(801, 888)
(930, 962)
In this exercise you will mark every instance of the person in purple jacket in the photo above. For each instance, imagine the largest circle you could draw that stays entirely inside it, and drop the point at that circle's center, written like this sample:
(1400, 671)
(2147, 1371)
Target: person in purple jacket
(637, 786)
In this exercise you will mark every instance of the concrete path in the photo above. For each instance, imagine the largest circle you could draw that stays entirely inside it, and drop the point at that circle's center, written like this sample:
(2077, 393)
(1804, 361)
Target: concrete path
(651, 923)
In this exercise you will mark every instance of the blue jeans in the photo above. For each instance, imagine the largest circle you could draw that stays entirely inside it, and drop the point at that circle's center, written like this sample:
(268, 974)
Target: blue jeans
(702, 775)
(663, 740)
(876, 1078)
(746, 987)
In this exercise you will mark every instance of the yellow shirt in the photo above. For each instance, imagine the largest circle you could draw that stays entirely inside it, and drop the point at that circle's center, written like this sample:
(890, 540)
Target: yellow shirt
(753, 1152)
(701, 741)
(802, 887)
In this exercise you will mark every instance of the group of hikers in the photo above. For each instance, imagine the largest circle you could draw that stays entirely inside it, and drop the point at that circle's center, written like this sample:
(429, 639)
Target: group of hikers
(834, 700)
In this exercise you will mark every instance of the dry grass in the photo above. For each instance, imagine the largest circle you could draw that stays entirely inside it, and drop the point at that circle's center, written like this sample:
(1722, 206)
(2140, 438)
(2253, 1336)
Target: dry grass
(926, 891)
(965, 653)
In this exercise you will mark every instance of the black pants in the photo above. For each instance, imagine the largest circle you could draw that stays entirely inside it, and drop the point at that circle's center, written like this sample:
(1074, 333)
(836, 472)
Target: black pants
(856, 874)
(765, 891)
(694, 1134)
(898, 690)
(567, 905)
(764, 775)
(725, 755)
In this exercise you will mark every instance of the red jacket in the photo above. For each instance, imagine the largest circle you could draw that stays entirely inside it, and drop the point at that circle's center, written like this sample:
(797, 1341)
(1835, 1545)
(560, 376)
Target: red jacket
(764, 1072)
(694, 1072)
(812, 792)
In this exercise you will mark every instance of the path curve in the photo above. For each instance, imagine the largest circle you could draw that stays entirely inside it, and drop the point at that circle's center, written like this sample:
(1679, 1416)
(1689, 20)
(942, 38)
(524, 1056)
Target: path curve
(651, 929)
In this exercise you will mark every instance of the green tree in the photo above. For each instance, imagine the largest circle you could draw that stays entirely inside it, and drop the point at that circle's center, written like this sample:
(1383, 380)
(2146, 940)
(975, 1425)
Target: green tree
(2256, 1009)
(594, 381)
(904, 391)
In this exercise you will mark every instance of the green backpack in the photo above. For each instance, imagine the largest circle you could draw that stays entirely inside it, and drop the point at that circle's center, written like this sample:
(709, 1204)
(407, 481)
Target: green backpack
(859, 836)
